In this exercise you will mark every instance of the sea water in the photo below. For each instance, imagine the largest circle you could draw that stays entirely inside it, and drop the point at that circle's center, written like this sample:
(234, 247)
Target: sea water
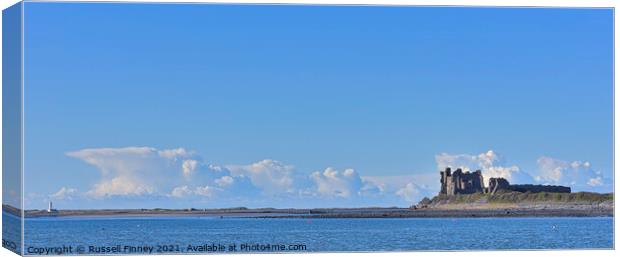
(156, 235)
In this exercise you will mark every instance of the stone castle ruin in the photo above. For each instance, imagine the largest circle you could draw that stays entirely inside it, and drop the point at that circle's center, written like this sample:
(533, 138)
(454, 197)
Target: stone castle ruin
(459, 182)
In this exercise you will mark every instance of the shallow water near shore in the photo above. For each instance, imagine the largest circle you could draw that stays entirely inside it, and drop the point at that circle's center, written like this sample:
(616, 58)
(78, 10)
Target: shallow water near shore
(121, 234)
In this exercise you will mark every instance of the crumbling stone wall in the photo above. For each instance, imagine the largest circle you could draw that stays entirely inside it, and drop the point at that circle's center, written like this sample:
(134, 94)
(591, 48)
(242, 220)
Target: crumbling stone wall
(459, 182)
(496, 184)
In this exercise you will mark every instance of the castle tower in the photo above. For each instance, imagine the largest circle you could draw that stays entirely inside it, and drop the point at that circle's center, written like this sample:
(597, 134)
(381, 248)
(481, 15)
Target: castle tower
(446, 176)
(459, 182)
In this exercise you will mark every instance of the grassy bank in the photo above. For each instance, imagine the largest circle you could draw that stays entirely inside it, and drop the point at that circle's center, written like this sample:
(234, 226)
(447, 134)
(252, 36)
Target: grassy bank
(511, 198)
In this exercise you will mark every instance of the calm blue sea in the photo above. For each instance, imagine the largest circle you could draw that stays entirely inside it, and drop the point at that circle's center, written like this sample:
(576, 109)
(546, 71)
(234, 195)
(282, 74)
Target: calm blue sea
(187, 234)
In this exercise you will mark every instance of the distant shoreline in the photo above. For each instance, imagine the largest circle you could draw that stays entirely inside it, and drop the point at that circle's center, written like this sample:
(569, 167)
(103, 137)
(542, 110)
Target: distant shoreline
(326, 213)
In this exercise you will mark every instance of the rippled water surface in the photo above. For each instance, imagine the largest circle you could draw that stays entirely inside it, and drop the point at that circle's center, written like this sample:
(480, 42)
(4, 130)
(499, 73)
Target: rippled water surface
(321, 234)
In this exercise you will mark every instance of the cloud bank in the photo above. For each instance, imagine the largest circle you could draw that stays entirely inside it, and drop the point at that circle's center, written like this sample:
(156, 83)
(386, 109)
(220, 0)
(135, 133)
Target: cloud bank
(147, 173)
(137, 171)
(577, 174)
(148, 177)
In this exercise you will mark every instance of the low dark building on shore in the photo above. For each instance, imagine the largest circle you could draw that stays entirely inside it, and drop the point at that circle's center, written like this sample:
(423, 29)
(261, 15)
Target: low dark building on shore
(459, 182)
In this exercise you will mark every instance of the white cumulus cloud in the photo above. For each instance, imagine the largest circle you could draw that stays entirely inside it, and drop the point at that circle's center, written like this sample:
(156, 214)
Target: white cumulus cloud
(189, 166)
(200, 191)
(411, 192)
(577, 174)
(332, 182)
(145, 170)
(64, 193)
(272, 176)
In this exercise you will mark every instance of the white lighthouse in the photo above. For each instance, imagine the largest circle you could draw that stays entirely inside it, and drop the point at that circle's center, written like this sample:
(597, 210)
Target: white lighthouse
(50, 207)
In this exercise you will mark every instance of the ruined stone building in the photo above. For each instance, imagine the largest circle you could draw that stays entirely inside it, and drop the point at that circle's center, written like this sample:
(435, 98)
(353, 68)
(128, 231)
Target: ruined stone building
(459, 182)
(496, 184)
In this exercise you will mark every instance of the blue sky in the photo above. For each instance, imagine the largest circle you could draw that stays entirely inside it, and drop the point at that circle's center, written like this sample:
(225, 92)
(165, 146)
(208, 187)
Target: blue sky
(391, 93)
